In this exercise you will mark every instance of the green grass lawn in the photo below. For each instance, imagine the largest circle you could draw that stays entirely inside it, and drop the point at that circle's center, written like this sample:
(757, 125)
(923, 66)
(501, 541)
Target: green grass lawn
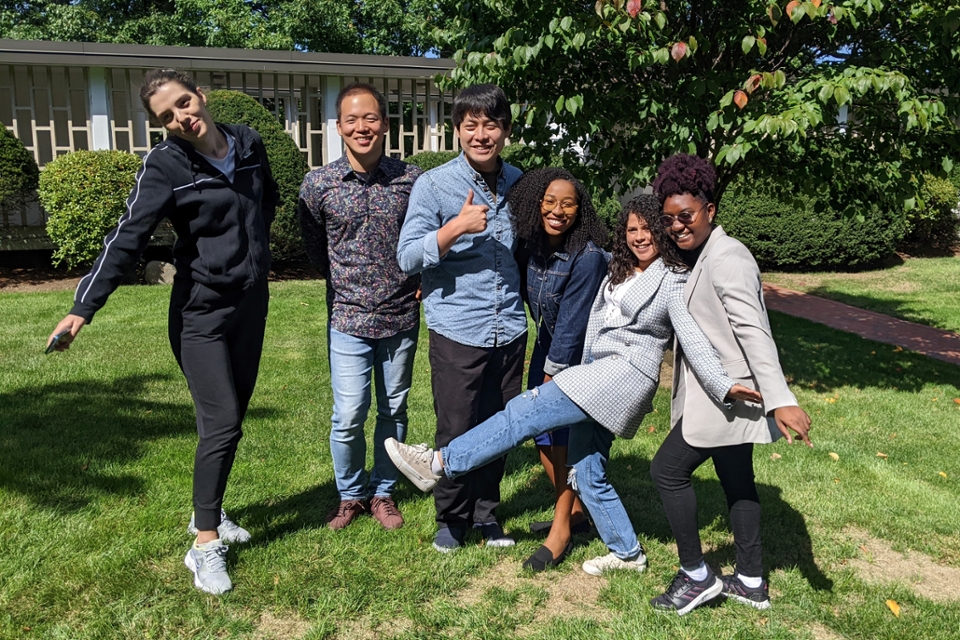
(924, 290)
(96, 452)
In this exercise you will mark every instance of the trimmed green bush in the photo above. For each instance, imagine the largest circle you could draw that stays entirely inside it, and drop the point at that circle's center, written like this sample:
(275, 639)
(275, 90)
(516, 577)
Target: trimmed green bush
(933, 225)
(795, 236)
(18, 170)
(286, 162)
(85, 193)
(427, 160)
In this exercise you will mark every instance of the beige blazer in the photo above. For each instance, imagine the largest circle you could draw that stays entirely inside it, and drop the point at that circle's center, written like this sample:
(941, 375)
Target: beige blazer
(724, 296)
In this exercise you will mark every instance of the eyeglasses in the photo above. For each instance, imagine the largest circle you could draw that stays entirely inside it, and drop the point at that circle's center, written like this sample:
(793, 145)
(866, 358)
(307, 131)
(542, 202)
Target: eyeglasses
(569, 207)
(685, 217)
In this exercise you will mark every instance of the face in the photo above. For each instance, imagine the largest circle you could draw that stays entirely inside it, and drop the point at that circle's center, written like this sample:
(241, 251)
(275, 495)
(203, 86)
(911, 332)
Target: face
(182, 112)
(559, 208)
(689, 235)
(482, 140)
(361, 126)
(640, 242)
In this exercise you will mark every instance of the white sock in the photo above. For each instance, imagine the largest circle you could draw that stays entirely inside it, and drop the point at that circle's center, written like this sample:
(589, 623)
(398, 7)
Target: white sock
(205, 545)
(435, 466)
(699, 573)
(753, 583)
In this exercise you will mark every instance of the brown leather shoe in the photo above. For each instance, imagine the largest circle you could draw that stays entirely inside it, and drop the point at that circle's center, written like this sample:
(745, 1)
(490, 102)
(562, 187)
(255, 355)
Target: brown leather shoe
(344, 513)
(386, 512)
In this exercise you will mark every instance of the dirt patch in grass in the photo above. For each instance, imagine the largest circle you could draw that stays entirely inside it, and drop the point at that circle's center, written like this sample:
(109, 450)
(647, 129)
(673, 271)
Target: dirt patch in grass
(287, 627)
(929, 579)
(366, 628)
(572, 594)
(821, 632)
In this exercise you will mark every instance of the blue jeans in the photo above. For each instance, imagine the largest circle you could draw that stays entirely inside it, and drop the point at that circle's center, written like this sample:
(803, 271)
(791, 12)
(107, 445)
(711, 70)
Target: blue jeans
(537, 411)
(354, 361)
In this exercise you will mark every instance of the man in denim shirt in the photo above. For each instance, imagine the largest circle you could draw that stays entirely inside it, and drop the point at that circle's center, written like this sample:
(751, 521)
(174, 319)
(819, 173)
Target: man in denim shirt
(350, 213)
(458, 236)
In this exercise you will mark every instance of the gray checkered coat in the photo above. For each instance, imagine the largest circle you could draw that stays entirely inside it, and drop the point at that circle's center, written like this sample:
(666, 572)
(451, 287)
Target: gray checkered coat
(620, 371)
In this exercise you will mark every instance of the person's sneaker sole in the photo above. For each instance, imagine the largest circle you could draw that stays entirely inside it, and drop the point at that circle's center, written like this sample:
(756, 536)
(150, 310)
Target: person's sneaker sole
(445, 549)
(192, 565)
(762, 606)
(412, 474)
(706, 595)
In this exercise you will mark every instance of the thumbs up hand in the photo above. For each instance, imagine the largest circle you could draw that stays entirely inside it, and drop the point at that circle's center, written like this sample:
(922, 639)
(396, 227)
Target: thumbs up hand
(472, 217)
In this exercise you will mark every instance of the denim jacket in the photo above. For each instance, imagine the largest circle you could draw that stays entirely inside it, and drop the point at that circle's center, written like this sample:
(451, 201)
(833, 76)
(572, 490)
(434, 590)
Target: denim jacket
(472, 294)
(560, 292)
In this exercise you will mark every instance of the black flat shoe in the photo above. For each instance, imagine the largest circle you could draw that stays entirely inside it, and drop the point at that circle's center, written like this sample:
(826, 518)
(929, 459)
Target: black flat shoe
(542, 527)
(543, 558)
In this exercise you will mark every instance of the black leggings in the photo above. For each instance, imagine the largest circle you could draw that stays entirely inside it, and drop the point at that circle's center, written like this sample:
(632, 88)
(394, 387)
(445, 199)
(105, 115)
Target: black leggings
(217, 338)
(671, 471)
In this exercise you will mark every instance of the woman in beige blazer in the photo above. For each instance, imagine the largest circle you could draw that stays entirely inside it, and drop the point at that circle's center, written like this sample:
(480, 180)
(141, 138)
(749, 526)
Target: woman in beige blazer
(724, 296)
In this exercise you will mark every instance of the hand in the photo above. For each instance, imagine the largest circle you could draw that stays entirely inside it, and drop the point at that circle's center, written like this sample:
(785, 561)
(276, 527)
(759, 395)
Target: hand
(472, 217)
(793, 418)
(740, 392)
(72, 323)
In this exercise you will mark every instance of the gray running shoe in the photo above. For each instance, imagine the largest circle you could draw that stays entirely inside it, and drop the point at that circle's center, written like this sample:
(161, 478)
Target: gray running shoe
(229, 531)
(414, 462)
(209, 566)
(602, 564)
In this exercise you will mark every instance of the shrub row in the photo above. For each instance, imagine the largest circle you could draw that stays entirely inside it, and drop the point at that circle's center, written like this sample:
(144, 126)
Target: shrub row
(18, 170)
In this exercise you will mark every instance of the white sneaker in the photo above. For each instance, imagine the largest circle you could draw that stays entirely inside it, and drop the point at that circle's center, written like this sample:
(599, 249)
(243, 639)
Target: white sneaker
(209, 565)
(414, 462)
(601, 564)
(229, 531)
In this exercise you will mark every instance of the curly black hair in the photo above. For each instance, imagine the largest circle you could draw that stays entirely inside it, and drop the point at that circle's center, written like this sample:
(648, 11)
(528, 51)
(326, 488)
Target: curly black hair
(682, 173)
(623, 264)
(524, 198)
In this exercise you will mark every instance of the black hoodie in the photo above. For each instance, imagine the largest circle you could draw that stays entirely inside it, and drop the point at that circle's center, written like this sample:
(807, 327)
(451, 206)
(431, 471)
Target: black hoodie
(223, 228)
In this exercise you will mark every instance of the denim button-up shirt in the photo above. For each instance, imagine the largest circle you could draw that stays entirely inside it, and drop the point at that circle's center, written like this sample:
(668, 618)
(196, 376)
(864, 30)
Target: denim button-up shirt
(471, 294)
(560, 292)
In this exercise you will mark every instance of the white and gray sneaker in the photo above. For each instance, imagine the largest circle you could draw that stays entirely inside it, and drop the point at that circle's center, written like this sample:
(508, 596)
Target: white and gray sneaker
(601, 564)
(208, 562)
(413, 461)
(229, 531)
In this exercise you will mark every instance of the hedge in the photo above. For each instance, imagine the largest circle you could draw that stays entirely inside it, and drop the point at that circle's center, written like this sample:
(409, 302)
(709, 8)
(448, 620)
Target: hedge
(933, 225)
(286, 162)
(85, 193)
(806, 233)
(19, 174)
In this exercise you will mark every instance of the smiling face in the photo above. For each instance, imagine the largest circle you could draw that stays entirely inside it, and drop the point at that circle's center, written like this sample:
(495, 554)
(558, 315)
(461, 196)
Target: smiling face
(362, 129)
(482, 139)
(182, 112)
(693, 234)
(640, 242)
(559, 210)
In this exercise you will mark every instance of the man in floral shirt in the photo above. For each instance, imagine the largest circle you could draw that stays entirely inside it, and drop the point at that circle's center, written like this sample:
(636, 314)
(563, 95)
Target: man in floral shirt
(351, 212)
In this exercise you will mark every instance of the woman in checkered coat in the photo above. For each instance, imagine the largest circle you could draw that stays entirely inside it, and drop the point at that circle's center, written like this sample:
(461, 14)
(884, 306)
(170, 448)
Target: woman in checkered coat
(634, 317)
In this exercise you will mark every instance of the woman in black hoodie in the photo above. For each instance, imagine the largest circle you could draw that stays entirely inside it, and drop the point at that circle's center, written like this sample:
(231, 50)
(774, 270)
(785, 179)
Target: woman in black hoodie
(213, 182)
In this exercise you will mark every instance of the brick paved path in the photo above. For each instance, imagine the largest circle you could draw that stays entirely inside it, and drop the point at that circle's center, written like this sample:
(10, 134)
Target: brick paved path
(936, 343)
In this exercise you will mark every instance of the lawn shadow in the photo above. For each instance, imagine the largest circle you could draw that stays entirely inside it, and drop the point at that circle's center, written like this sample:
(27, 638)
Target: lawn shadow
(274, 518)
(786, 539)
(60, 443)
(816, 357)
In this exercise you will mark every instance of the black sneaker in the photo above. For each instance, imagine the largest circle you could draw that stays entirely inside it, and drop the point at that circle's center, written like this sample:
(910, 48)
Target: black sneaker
(758, 598)
(684, 594)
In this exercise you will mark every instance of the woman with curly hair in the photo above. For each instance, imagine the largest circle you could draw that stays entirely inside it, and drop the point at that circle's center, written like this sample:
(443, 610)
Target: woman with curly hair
(560, 236)
(634, 316)
(724, 296)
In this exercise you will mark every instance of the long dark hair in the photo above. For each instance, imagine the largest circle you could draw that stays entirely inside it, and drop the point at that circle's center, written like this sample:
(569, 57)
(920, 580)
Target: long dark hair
(524, 198)
(623, 264)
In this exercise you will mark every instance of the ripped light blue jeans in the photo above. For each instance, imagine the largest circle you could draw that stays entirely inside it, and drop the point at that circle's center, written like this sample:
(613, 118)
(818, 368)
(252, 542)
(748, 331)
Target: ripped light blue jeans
(538, 411)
